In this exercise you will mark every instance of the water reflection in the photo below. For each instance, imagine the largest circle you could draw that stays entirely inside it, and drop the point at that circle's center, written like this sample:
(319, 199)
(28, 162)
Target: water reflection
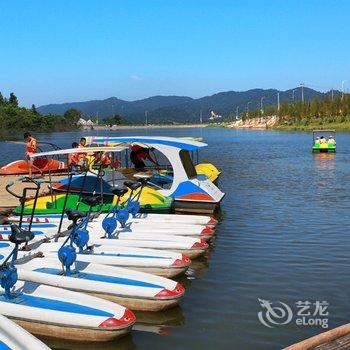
(125, 343)
(171, 317)
(324, 161)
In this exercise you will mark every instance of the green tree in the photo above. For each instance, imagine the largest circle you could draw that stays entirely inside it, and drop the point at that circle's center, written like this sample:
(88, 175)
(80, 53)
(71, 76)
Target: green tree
(72, 115)
(2, 100)
(115, 119)
(33, 109)
(13, 100)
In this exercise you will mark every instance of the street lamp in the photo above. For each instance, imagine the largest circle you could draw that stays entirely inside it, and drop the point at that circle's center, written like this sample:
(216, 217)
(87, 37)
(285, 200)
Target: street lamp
(146, 115)
(302, 92)
(293, 92)
(261, 105)
(237, 109)
(342, 89)
(247, 109)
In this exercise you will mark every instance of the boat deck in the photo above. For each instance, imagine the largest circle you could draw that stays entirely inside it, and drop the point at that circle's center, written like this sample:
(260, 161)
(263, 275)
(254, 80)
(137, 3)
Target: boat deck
(8, 202)
(342, 343)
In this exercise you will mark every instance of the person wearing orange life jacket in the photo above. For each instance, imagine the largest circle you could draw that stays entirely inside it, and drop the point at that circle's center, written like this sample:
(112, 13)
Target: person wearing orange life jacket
(73, 158)
(107, 160)
(31, 147)
(82, 156)
(31, 144)
(103, 159)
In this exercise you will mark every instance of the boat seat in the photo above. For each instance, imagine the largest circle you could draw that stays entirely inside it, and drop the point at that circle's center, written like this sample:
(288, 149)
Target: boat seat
(91, 201)
(18, 235)
(143, 180)
(144, 177)
(133, 185)
(119, 191)
(75, 215)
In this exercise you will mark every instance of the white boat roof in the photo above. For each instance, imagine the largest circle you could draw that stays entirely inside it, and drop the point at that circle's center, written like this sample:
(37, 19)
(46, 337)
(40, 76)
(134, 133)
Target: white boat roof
(80, 150)
(189, 145)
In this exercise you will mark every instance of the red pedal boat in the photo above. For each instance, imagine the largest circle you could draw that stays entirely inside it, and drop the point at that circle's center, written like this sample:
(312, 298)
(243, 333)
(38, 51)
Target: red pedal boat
(40, 166)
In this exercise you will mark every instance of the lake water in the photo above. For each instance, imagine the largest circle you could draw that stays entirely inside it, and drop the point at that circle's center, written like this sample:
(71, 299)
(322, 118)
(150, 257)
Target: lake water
(283, 237)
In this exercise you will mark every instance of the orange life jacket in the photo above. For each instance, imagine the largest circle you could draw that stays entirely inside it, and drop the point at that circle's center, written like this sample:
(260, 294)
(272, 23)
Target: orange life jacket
(73, 158)
(81, 156)
(106, 159)
(31, 146)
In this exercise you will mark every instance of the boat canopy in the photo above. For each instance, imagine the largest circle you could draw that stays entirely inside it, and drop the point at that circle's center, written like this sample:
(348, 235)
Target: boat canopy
(80, 150)
(189, 145)
(315, 132)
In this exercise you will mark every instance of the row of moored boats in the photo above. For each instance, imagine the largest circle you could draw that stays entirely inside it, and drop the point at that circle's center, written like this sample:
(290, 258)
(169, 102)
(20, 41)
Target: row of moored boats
(80, 275)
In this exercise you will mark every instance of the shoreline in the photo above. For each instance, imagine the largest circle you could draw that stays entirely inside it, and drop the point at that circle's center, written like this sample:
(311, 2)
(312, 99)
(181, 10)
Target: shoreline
(274, 123)
(151, 126)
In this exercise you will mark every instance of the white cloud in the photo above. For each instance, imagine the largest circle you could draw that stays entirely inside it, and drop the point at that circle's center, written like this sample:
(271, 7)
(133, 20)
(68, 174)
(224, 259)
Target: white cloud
(135, 77)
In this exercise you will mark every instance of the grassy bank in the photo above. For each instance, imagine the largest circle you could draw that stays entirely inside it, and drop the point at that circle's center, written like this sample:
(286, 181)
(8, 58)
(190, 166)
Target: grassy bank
(340, 126)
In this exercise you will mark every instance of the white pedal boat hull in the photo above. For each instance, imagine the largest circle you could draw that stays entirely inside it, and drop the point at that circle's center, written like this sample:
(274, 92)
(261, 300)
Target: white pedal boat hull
(15, 337)
(158, 262)
(203, 232)
(42, 230)
(141, 218)
(192, 247)
(59, 313)
(133, 289)
(162, 230)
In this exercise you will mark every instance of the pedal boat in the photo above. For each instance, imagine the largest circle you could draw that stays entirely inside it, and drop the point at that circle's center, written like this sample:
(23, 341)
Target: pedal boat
(143, 218)
(55, 204)
(190, 192)
(191, 247)
(158, 262)
(40, 166)
(142, 231)
(132, 289)
(317, 147)
(14, 337)
(44, 310)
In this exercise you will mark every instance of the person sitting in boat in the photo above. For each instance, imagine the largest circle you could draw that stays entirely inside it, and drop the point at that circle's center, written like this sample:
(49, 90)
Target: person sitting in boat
(107, 160)
(322, 140)
(317, 141)
(99, 159)
(138, 155)
(82, 156)
(82, 142)
(31, 147)
(331, 141)
(73, 159)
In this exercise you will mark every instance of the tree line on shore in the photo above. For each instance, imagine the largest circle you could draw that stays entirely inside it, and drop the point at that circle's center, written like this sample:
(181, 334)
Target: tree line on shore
(330, 110)
(14, 118)
(314, 112)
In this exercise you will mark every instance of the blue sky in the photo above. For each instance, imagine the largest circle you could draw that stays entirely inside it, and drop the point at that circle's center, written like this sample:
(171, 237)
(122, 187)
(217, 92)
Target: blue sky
(60, 51)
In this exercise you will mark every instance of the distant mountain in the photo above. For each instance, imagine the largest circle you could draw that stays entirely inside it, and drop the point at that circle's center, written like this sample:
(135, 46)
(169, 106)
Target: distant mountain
(179, 109)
